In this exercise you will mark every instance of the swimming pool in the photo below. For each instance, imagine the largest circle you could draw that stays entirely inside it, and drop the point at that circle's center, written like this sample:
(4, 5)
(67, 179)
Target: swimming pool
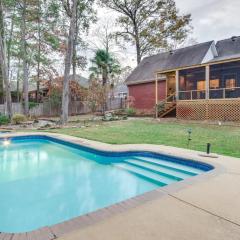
(45, 181)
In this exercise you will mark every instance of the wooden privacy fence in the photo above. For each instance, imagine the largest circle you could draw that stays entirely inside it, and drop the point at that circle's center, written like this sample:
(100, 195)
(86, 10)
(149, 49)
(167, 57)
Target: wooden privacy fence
(75, 108)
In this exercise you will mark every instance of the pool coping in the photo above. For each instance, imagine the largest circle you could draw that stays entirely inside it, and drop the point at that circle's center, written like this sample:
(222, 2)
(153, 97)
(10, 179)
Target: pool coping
(61, 229)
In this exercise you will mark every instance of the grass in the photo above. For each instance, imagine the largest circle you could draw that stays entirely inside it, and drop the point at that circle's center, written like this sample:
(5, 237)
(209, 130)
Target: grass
(225, 140)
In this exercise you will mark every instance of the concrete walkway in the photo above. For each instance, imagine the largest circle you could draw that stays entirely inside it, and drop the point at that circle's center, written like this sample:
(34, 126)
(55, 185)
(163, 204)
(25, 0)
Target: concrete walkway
(206, 207)
(206, 210)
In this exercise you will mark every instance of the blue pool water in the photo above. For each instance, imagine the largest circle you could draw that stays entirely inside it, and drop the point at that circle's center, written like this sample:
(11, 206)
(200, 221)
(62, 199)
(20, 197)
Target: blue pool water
(44, 181)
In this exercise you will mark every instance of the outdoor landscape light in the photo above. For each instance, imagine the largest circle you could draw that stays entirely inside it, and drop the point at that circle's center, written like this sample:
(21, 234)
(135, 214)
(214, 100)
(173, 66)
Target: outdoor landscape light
(208, 148)
(189, 135)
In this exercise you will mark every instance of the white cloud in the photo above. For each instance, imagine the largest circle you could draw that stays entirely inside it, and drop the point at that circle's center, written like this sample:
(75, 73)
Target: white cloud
(213, 19)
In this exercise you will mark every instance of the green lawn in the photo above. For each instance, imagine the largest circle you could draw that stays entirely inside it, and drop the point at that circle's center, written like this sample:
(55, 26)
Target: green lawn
(224, 139)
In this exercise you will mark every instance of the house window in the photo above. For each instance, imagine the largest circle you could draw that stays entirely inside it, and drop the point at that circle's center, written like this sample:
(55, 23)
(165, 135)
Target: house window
(122, 95)
(230, 82)
(201, 85)
(214, 83)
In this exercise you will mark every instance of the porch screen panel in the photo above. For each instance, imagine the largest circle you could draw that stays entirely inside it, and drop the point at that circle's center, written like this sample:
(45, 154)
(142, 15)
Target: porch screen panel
(192, 84)
(225, 80)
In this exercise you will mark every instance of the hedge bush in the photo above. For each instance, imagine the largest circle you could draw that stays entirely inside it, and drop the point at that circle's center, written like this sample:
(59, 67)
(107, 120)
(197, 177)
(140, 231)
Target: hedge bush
(4, 120)
(18, 118)
(131, 111)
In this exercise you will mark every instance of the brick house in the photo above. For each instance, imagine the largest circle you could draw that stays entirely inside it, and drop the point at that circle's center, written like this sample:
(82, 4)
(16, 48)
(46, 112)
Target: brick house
(197, 82)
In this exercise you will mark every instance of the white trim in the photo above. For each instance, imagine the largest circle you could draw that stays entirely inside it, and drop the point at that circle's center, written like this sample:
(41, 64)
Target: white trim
(144, 81)
(177, 84)
(211, 53)
(207, 73)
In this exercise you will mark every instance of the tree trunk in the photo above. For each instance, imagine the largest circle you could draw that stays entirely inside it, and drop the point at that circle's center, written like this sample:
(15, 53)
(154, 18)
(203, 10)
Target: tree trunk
(24, 57)
(74, 63)
(9, 48)
(18, 76)
(104, 83)
(138, 50)
(39, 52)
(137, 42)
(68, 63)
(3, 63)
(104, 76)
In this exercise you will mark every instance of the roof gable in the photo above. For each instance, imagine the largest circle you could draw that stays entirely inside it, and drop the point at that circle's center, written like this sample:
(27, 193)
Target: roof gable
(211, 53)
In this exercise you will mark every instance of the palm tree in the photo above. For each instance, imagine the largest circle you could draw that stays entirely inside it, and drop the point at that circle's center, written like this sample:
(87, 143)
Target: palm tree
(104, 65)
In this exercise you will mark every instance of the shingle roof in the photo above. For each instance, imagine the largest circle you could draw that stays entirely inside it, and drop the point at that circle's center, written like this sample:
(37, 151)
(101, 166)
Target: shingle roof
(121, 88)
(228, 49)
(182, 57)
(82, 81)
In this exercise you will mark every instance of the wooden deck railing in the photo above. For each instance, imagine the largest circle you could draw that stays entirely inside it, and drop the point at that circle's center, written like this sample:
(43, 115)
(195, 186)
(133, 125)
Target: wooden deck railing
(218, 93)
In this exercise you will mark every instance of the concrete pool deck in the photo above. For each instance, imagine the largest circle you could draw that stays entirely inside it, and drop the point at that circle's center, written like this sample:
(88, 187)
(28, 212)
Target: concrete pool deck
(203, 207)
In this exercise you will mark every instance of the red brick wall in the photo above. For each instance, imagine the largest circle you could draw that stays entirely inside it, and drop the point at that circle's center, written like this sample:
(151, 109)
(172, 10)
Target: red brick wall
(144, 94)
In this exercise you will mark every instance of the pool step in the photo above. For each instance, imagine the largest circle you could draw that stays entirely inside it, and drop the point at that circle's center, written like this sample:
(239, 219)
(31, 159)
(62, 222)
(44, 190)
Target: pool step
(149, 174)
(153, 169)
(168, 172)
(171, 165)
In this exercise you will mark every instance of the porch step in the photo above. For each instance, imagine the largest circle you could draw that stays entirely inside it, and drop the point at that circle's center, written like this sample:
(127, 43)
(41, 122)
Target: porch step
(167, 110)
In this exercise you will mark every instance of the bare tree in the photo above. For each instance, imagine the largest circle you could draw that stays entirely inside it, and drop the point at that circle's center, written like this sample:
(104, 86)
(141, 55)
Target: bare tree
(149, 25)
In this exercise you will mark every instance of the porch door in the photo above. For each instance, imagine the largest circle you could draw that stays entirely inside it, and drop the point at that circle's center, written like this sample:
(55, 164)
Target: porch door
(171, 85)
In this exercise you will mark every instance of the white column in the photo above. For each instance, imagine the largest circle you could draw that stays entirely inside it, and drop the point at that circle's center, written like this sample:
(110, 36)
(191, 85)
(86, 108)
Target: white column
(207, 70)
(156, 89)
(177, 84)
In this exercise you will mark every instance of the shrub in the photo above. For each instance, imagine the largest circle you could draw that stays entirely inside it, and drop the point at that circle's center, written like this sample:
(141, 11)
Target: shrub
(160, 107)
(33, 105)
(18, 118)
(4, 120)
(130, 101)
(130, 111)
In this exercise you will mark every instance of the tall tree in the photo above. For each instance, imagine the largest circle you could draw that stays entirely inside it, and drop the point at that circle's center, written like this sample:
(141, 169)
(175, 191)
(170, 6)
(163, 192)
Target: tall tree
(80, 14)
(71, 10)
(3, 63)
(84, 16)
(150, 25)
(104, 66)
(25, 63)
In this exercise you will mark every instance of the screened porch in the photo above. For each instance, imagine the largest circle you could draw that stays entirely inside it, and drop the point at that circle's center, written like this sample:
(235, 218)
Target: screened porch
(217, 81)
